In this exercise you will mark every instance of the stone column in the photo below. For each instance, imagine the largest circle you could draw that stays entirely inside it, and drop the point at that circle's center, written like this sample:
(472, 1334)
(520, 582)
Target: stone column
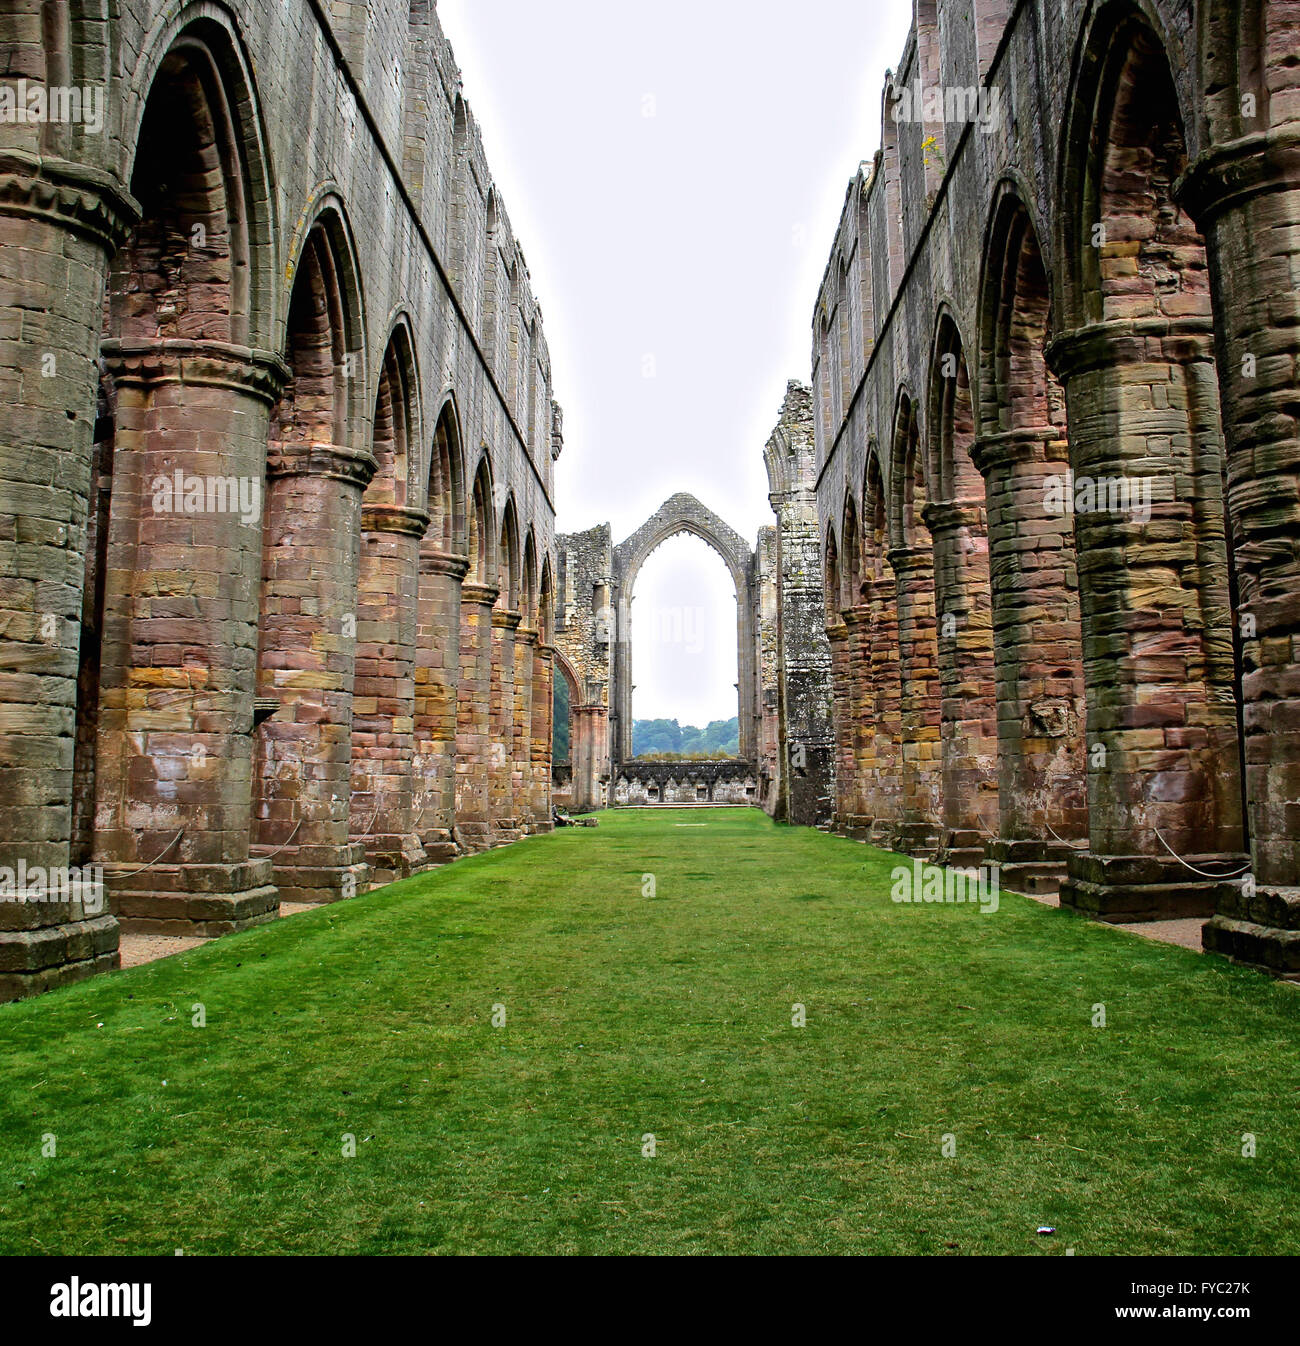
(921, 705)
(521, 753)
(307, 663)
(1156, 618)
(437, 675)
(882, 769)
(837, 636)
(859, 708)
(178, 672)
(473, 740)
(806, 731)
(590, 754)
(1038, 656)
(966, 676)
(1245, 198)
(59, 224)
(383, 703)
(543, 734)
(505, 822)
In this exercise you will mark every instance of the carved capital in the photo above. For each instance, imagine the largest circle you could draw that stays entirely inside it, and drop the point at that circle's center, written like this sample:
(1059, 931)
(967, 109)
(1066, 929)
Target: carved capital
(394, 519)
(197, 364)
(433, 562)
(1131, 341)
(910, 560)
(337, 462)
(1228, 176)
(946, 517)
(475, 594)
(70, 196)
(1028, 444)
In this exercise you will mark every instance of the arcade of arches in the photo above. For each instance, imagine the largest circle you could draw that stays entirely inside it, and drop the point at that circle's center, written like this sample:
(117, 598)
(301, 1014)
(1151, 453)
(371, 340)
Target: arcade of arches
(281, 595)
(1057, 387)
(278, 523)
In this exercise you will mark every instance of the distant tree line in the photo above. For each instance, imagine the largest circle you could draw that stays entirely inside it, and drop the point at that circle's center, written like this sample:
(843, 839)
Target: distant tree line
(561, 750)
(668, 741)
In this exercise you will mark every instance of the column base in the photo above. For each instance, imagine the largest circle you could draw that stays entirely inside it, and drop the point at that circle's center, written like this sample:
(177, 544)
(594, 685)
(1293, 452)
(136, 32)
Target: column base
(393, 857)
(1125, 888)
(439, 848)
(856, 826)
(505, 831)
(205, 900)
(48, 944)
(961, 848)
(1261, 931)
(1033, 868)
(472, 837)
(318, 874)
(917, 839)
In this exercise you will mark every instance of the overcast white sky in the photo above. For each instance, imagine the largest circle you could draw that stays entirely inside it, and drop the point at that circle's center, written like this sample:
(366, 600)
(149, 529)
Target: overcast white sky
(674, 172)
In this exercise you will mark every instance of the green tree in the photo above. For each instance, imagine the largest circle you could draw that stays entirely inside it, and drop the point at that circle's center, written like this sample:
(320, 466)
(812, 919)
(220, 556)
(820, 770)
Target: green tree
(562, 730)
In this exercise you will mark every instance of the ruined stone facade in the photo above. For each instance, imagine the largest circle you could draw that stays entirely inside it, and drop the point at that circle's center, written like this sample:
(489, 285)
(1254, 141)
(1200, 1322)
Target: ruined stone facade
(707, 782)
(1056, 355)
(276, 484)
(798, 732)
(783, 691)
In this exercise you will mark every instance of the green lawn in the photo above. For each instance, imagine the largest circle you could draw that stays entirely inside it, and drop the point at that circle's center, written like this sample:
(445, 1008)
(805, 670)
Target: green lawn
(668, 1015)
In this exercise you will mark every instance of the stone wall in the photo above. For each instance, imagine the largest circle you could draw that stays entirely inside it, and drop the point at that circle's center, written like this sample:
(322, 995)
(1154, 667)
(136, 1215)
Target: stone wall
(1054, 370)
(277, 537)
(642, 782)
(584, 642)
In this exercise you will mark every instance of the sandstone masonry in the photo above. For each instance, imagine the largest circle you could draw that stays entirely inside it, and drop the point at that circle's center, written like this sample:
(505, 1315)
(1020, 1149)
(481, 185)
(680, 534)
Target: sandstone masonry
(1055, 359)
(276, 501)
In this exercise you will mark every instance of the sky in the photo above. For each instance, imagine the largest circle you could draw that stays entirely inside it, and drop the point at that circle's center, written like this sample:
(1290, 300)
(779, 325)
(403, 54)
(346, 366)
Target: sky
(675, 173)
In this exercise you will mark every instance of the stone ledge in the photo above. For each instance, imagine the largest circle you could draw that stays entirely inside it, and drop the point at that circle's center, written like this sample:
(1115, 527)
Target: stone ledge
(19, 985)
(1257, 946)
(28, 952)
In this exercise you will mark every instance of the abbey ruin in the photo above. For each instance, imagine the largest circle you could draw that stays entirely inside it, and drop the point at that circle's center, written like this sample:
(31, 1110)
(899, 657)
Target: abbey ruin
(278, 518)
(282, 599)
(782, 656)
(1055, 366)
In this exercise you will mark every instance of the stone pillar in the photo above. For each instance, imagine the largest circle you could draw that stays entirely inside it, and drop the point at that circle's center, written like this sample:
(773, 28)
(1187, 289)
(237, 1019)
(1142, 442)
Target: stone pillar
(437, 675)
(859, 707)
(806, 737)
(543, 734)
(173, 796)
(306, 663)
(383, 702)
(966, 677)
(59, 223)
(1038, 657)
(521, 753)
(921, 705)
(837, 635)
(882, 767)
(505, 822)
(1245, 198)
(473, 738)
(590, 754)
(1163, 748)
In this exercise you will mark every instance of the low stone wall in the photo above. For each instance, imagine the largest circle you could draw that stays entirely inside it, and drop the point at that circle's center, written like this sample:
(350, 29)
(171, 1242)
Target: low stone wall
(704, 782)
